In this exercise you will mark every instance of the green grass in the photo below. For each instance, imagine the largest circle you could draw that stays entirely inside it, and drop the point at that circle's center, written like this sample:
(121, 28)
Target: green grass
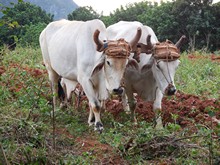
(199, 76)
(26, 126)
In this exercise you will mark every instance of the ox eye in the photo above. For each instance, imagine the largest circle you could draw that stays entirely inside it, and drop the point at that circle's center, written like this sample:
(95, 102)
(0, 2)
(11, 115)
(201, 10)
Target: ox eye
(108, 63)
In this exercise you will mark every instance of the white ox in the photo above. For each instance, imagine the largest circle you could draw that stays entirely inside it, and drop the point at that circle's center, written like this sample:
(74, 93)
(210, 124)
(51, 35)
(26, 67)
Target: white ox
(154, 78)
(80, 52)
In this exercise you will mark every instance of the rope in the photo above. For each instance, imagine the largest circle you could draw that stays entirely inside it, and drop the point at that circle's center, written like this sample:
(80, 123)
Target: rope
(166, 51)
(168, 56)
(118, 49)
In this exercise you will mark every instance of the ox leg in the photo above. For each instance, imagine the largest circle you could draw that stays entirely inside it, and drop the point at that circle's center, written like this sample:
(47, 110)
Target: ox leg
(129, 103)
(96, 109)
(91, 119)
(125, 104)
(95, 105)
(70, 87)
(103, 106)
(54, 78)
(54, 91)
(157, 109)
(64, 102)
(132, 104)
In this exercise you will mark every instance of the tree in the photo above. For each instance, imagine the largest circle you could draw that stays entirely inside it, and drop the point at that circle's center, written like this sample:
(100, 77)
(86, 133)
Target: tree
(214, 26)
(130, 12)
(31, 36)
(162, 21)
(18, 18)
(196, 20)
(83, 14)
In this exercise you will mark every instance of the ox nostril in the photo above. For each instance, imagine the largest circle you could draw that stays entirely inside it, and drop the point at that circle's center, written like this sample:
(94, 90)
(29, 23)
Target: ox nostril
(118, 91)
(174, 90)
(115, 90)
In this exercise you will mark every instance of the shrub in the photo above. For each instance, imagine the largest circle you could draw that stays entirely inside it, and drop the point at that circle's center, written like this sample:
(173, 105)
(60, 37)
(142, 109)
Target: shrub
(31, 37)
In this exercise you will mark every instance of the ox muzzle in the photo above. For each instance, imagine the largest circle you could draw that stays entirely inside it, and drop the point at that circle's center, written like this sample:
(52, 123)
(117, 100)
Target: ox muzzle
(170, 90)
(118, 91)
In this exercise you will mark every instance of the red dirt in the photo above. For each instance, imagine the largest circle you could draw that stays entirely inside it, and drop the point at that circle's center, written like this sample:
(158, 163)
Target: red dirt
(91, 146)
(186, 106)
(32, 71)
(2, 70)
(213, 57)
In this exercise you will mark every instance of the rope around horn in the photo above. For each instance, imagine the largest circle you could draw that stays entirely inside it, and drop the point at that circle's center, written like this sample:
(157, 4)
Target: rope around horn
(118, 49)
(166, 51)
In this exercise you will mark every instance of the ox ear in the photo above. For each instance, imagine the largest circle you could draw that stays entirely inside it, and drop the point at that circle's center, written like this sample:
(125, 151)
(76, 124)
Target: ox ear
(98, 67)
(147, 66)
(132, 63)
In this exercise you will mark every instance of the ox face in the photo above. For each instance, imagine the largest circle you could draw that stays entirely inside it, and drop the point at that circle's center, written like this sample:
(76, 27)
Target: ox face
(164, 62)
(114, 69)
(164, 73)
(116, 53)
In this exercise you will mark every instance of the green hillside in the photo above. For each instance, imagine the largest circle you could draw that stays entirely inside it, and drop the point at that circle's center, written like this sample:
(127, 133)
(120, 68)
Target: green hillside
(60, 9)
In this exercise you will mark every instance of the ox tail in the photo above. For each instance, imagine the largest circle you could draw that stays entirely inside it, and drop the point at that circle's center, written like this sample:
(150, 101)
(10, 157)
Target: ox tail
(61, 93)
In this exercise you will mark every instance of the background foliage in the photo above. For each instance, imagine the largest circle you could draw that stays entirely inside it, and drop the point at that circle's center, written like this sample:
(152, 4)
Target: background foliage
(17, 22)
(83, 14)
(197, 19)
(58, 8)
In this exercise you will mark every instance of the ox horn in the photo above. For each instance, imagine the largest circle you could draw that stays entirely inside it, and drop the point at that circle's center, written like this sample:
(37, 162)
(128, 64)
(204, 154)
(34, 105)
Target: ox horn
(99, 43)
(180, 42)
(146, 48)
(133, 43)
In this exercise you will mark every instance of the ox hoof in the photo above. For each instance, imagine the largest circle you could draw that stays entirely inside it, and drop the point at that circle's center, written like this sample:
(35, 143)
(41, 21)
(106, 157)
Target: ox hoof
(99, 127)
(128, 112)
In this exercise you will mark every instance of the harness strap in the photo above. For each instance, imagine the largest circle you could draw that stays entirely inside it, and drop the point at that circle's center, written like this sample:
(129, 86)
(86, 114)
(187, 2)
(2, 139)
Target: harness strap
(167, 60)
